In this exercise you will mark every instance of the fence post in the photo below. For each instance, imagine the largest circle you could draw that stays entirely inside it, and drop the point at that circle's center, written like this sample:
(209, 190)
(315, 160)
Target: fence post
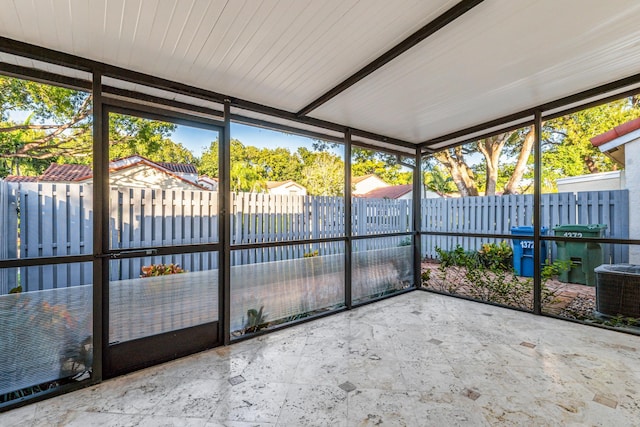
(9, 233)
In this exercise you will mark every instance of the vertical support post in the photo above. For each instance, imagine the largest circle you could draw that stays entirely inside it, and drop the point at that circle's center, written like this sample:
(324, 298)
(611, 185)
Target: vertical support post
(537, 214)
(100, 229)
(224, 203)
(417, 220)
(347, 220)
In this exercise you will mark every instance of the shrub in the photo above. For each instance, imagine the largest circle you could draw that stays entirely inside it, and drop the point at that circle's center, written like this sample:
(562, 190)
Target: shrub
(496, 256)
(487, 275)
(161, 270)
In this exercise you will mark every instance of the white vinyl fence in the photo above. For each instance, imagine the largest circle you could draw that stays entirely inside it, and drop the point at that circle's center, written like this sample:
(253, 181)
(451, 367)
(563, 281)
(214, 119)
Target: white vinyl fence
(497, 214)
(49, 219)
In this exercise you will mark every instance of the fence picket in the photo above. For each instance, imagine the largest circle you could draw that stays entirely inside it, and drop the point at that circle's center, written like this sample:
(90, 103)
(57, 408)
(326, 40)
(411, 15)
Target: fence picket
(56, 219)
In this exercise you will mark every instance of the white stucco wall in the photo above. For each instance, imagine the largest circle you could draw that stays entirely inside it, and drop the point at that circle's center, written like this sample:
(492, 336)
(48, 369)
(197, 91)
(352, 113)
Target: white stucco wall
(290, 189)
(593, 182)
(369, 184)
(141, 175)
(632, 179)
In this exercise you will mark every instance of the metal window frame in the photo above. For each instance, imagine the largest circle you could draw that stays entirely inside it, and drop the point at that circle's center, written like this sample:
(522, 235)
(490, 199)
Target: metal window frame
(104, 96)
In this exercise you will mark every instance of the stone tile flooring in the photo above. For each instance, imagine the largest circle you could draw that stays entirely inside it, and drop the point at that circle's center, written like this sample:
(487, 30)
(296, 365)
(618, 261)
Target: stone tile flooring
(419, 359)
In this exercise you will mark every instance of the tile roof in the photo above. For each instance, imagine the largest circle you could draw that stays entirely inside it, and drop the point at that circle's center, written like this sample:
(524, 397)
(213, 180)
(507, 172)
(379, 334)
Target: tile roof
(56, 172)
(616, 132)
(21, 178)
(179, 167)
(390, 192)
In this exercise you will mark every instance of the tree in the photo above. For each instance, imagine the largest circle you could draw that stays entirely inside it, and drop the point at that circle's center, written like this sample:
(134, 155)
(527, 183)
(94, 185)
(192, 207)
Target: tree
(58, 123)
(58, 128)
(384, 166)
(245, 177)
(322, 173)
(453, 159)
(567, 151)
(438, 181)
(208, 164)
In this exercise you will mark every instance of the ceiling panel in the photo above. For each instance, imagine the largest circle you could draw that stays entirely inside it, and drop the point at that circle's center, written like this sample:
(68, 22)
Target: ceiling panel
(277, 52)
(501, 57)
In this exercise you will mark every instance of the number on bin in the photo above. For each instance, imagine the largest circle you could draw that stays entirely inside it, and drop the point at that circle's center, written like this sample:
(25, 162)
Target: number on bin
(572, 234)
(526, 244)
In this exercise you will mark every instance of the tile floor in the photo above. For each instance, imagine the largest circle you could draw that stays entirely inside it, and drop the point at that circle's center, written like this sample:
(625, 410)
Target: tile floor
(419, 359)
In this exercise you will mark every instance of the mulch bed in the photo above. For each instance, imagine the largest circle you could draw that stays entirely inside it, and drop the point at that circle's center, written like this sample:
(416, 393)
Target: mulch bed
(573, 301)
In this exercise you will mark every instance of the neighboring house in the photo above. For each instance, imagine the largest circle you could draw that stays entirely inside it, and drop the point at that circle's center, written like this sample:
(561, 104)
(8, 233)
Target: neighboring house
(183, 170)
(364, 184)
(289, 187)
(133, 171)
(622, 145)
(208, 182)
(591, 182)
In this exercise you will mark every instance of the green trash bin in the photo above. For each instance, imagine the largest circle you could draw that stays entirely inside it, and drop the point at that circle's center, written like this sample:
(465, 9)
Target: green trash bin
(584, 256)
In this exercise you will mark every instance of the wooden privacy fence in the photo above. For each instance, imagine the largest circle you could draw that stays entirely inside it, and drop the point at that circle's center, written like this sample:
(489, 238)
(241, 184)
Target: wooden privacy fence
(51, 219)
(497, 214)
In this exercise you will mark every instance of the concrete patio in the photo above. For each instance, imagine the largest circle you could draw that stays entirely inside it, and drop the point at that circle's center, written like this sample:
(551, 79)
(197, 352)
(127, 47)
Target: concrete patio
(419, 359)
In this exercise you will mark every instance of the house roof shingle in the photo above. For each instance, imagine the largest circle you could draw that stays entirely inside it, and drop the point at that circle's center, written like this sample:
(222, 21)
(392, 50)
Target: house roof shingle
(390, 192)
(21, 178)
(179, 167)
(56, 172)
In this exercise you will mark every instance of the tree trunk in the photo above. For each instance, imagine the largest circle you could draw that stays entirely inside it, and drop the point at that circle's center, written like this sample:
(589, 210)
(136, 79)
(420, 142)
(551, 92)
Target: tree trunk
(521, 164)
(491, 148)
(462, 175)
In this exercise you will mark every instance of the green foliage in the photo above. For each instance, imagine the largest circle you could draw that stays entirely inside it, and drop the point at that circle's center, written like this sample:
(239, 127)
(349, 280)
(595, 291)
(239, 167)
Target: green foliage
(161, 270)
(322, 173)
(256, 320)
(567, 149)
(621, 321)
(550, 271)
(58, 128)
(496, 256)
(311, 254)
(437, 179)
(425, 276)
(385, 166)
(455, 258)
(483, 275)
(16, 290)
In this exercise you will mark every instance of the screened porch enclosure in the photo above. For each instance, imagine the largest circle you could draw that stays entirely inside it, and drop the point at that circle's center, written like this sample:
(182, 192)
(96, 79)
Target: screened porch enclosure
(139, 223)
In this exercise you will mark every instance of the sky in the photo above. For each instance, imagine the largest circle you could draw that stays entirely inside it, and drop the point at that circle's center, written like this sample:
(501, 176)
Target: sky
(198, 140)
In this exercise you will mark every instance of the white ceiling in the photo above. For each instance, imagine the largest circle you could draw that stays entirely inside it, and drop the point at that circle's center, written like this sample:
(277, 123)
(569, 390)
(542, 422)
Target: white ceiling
(501, 57)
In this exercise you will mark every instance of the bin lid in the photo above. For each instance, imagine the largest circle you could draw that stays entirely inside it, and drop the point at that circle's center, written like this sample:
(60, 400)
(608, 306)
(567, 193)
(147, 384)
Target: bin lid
(527, 230)
(581, 227)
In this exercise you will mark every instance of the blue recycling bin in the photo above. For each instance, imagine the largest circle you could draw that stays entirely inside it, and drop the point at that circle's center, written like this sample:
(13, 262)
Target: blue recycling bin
(523, 250)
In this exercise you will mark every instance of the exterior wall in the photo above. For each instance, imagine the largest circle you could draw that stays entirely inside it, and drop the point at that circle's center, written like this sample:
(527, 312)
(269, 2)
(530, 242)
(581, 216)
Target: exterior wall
(369, 184)
(188, 176)
(632, 178)
(290, 189)
(605, 181)
(208, 183)
(143, 176)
